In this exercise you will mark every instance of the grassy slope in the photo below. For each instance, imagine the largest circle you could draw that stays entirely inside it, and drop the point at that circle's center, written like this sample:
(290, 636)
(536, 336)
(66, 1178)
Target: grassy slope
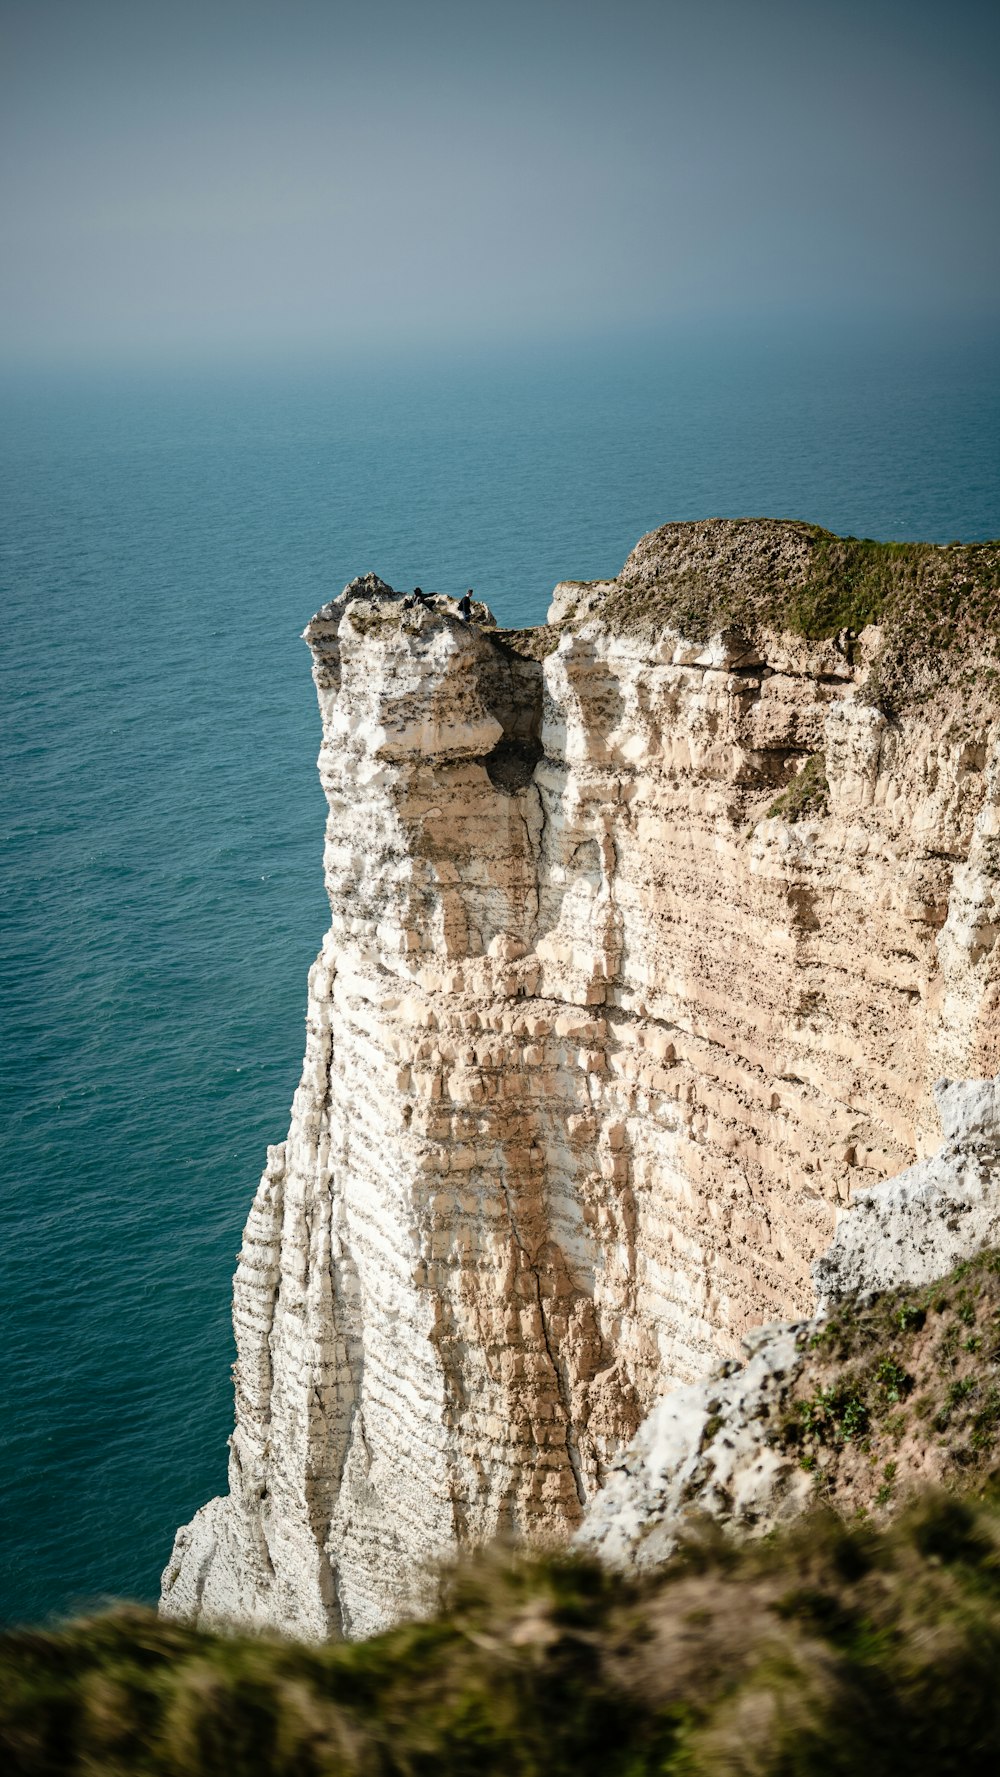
(841, 1646)
(904, 1390)
(745, 573)
(833, 1649)
(848, 1644)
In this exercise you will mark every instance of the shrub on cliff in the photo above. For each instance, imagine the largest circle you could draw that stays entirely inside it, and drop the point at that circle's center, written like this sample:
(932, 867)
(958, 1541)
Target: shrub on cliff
(807, 794)
(830, 1649)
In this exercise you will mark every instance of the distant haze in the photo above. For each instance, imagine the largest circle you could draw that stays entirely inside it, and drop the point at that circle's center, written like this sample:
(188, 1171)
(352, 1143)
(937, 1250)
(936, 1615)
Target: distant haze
(238, 175)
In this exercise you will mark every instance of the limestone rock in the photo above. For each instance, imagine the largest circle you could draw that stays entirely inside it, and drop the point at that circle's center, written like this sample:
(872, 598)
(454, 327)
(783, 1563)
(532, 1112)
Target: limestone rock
(914, 1228)
(703, 1451)
(709, 1449)
(596, 1049)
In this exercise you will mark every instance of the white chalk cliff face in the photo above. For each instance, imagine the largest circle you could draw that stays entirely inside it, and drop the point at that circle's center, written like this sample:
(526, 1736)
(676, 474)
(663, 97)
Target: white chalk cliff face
(708, 1448)
(595, 1051)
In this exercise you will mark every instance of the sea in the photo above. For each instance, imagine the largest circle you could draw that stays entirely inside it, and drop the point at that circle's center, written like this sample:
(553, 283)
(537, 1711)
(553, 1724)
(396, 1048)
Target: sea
(166, 532)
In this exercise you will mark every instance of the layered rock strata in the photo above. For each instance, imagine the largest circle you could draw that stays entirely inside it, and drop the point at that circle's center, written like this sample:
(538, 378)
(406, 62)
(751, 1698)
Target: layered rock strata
(596, 1047)
(710, 1449)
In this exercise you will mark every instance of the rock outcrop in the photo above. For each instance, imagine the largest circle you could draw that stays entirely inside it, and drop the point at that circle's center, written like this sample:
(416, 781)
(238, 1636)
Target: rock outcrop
(713, 1449)
(916, 1227)
(646, 947)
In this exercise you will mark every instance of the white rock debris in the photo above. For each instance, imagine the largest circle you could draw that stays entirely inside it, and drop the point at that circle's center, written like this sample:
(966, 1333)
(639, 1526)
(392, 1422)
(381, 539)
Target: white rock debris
(920, 1225)
(706, 1449)
(596, 1049)
(703, 1451)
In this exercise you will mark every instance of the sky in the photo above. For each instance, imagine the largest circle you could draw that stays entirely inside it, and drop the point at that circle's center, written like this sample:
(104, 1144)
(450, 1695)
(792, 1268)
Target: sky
(188, 176)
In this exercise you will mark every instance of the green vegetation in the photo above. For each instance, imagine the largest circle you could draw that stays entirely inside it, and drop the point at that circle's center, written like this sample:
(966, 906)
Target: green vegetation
(854, 581)
(830, 1649)
(807, 795)
(938, 605)
(834, 1647)
(908, 1382)
(834, 1415)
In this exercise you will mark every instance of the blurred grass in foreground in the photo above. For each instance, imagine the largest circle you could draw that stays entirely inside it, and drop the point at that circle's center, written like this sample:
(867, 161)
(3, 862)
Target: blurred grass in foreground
(826, 1649)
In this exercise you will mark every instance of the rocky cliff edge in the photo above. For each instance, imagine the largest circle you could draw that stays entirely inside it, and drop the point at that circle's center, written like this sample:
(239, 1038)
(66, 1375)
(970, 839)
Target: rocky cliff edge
(650, 931)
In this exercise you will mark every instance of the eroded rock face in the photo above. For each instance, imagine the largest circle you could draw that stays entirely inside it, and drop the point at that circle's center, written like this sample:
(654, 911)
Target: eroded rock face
(703, 1452)
(710, 1449)
(595, 1050)
(914, 1228)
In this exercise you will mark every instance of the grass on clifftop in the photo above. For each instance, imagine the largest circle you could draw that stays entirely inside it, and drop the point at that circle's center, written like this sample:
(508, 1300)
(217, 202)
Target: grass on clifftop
(830, 1649)
(938, 605)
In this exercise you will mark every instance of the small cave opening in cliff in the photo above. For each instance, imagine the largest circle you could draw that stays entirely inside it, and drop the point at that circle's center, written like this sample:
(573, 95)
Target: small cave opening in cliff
(513, 688)
(511, 765)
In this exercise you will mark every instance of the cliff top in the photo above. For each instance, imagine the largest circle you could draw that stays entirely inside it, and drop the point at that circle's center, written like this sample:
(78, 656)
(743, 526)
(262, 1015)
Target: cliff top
(932, 610)
(938, 605)
(719, 573)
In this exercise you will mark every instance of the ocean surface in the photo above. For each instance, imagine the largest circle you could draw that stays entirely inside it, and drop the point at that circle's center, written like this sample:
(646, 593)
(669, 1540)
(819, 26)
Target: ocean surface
(165, 537)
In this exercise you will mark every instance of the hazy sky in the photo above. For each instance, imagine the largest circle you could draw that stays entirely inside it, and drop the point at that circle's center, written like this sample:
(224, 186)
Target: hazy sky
(272, 174)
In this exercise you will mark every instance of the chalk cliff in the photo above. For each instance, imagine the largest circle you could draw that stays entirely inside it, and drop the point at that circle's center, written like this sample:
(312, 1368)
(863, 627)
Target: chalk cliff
(650, 931)
(730, 1447)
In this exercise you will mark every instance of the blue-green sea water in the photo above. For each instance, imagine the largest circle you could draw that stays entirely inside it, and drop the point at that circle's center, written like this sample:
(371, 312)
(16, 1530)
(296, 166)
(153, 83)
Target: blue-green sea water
(165, 537)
